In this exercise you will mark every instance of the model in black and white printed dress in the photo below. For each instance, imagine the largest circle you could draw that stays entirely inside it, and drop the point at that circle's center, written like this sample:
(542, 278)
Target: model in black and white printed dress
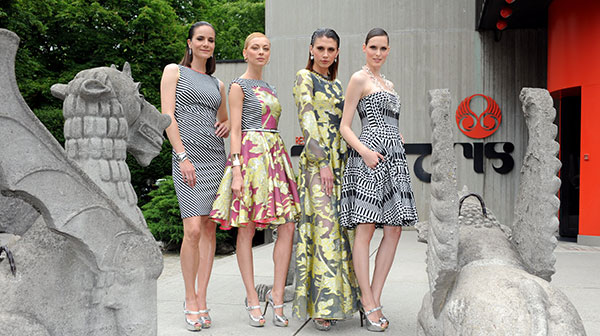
(376, 190)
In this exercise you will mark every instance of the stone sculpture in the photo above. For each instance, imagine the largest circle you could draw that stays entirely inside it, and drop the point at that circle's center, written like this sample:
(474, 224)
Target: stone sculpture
(486, 278)
(87, 264)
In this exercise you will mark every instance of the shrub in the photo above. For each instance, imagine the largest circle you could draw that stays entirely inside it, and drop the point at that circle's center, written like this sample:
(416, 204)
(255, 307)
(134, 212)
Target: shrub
(164, 219)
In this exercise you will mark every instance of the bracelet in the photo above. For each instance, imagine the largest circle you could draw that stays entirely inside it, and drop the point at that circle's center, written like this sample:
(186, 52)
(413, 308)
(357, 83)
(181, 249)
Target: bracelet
(235, 160)
(181, 156)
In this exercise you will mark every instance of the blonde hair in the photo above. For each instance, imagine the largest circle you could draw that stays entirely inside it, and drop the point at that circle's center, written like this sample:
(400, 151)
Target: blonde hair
(253, 36)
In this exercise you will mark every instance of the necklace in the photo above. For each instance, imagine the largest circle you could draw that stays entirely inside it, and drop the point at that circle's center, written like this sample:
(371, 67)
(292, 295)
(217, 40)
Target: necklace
(393, 105)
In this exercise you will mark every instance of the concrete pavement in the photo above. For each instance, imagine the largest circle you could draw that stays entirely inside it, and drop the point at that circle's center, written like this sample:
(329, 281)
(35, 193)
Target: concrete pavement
(577, 275)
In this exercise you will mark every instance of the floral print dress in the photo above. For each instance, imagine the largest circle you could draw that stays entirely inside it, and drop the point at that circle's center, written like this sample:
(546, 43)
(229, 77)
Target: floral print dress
(269, 193)
(326, 286)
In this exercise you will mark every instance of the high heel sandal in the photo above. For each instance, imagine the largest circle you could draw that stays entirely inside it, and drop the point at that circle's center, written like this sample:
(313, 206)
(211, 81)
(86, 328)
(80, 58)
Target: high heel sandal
(254, 321)
(370, 325)
(278, 320)
(320, 324)
(206, 321)
(191, 325)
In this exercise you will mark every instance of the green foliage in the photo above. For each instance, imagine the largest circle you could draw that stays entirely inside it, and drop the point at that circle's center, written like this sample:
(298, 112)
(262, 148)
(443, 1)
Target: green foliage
(52, 118)
(59, 38)
(162, 213)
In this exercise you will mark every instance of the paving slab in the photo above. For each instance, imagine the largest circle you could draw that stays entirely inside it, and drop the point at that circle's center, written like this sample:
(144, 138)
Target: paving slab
(577, 275)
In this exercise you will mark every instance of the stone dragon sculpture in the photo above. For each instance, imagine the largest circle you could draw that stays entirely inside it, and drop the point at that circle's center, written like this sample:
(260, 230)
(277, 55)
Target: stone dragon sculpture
(486, 278)
(87, 264)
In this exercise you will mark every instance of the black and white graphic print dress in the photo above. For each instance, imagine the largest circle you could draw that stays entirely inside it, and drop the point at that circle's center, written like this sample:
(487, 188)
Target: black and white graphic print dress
(382, 195)
(197, 100)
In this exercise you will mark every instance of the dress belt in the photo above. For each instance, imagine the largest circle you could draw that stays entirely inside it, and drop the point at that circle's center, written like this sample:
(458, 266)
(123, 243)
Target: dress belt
(260, 130)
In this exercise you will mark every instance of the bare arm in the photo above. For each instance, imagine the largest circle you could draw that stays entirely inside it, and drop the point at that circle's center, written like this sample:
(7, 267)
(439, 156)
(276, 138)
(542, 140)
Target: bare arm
(236, 100)
(168, 85)
(355, 90)
(222, 126)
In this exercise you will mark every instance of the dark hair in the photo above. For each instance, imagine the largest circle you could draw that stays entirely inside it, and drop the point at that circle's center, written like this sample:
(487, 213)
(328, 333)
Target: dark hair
(330, 33)
(211, 63)
(376, 32)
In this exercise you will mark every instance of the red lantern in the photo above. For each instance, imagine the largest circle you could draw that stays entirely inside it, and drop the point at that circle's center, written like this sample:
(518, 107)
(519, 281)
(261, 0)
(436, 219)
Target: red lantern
(501, 24)
(506, 12)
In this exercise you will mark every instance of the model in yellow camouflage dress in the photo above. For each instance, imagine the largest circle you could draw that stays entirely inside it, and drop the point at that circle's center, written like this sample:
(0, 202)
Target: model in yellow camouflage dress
(326, 287)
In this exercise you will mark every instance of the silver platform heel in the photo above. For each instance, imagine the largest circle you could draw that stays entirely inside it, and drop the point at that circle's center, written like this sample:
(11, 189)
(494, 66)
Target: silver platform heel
(191, 325)
(254, 321)
(206, 321)
(278, 320)
(370, 325)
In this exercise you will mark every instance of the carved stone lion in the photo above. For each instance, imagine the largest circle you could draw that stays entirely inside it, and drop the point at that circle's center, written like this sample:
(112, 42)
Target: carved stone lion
(486, 278)
(88, 264)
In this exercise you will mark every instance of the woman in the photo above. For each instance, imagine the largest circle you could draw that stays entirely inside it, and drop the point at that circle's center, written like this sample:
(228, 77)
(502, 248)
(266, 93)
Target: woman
(376, 191)
(258, 189)
(326, 289)
(195, 101)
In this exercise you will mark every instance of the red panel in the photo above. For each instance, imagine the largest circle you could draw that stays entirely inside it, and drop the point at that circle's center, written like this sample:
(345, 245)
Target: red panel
(589, 189)
(573, 43)
(574, 61)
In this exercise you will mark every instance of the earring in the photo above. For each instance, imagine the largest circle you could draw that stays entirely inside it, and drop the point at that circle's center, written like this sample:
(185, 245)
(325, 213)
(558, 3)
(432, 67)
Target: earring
(312, 57)
(334, 60)
(246, 59)
(190, 51)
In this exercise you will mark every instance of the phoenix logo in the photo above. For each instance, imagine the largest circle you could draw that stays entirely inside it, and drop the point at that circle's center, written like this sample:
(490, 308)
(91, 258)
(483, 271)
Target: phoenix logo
(478, 126)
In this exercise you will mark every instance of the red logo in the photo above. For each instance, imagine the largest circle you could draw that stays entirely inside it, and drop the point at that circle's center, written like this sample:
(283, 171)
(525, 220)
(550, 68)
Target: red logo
(478, 126)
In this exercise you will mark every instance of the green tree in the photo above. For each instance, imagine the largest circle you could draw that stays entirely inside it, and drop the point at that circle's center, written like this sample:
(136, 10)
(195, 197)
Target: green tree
(59, 38)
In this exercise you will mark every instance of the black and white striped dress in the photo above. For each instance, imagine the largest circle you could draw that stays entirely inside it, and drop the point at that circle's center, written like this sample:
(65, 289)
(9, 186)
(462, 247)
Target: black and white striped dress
(197, 100)
(382, 195)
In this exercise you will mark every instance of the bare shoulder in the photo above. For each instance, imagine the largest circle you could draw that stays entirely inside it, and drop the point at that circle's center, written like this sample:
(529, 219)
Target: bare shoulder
(235, 89)
(359, 77)
(171, 71)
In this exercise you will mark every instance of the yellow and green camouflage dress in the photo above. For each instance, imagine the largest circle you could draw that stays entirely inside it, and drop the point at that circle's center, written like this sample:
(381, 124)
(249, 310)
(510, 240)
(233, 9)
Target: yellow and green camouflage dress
(326, 286)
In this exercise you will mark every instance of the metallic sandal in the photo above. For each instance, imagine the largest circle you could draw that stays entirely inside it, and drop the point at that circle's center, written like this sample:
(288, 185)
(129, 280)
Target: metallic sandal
(370, 325)
(191, 325)
(206, 321)
(254, 321)
(320, 324)
(278, 320)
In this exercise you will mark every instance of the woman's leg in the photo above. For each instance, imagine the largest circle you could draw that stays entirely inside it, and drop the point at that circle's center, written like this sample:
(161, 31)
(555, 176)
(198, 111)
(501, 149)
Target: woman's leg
(189, 257)
(281, 258)
(246, 264)
(384, 260)
(206, 248)
(360, 258)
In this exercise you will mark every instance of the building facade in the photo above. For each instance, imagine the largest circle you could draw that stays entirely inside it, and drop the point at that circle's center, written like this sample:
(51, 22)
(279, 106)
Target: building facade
(477, 49)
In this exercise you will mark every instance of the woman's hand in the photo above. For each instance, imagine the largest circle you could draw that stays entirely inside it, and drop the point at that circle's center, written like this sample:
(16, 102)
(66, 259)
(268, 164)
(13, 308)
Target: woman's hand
(222, 129)
(326, 180)
(188, 172)
(236, 183)
(371, 158)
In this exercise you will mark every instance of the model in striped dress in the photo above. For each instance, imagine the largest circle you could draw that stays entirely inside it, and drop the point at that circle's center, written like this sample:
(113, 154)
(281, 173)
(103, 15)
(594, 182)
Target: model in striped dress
(258, 188)
(195, 100)
(326, 288)
(376, 190)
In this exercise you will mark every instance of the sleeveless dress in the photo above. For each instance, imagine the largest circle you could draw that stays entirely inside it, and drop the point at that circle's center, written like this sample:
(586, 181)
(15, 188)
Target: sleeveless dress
(197, 100)
(382, 195)
(269, 196)
(326, 286)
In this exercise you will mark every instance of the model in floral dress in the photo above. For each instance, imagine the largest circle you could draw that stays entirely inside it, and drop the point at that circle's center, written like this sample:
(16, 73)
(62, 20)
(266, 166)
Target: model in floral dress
(270, 196)
(326, 288)
(258, 189)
